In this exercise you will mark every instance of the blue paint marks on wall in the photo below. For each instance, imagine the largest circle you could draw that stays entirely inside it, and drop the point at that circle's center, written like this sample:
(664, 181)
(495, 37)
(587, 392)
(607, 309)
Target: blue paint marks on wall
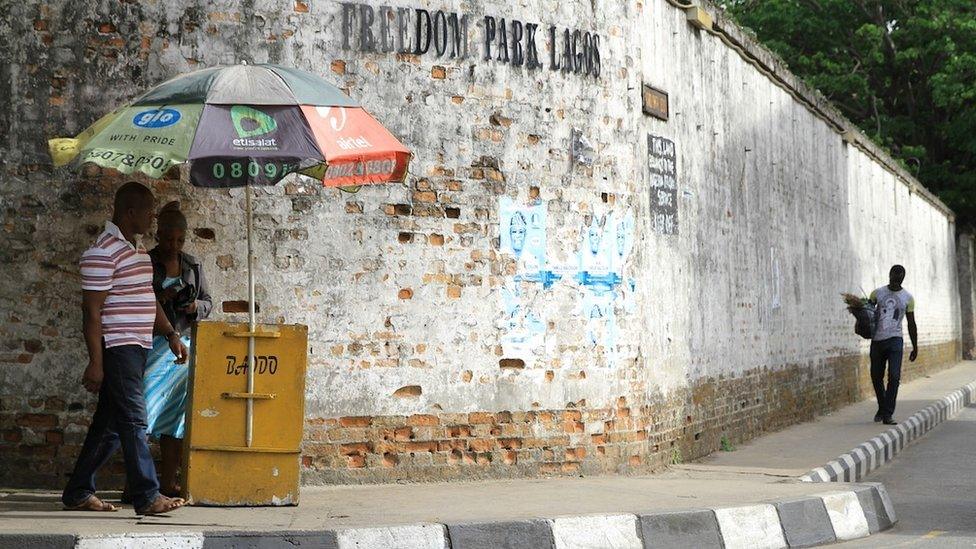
(597, 271)
(523, 235)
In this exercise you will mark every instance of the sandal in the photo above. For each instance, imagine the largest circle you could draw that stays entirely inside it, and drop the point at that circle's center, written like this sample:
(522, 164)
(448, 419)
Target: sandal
(161, 505)
(92, 504)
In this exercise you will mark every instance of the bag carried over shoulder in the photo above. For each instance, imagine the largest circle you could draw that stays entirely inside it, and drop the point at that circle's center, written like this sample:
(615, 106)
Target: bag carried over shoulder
(865, 320)
(865, 315)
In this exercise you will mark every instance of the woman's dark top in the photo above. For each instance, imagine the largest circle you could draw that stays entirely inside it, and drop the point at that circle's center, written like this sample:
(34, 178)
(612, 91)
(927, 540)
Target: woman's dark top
(192, 274)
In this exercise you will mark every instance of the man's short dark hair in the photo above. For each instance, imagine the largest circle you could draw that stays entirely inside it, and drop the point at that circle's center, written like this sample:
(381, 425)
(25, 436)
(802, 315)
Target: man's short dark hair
(897, 272)
(132, 195)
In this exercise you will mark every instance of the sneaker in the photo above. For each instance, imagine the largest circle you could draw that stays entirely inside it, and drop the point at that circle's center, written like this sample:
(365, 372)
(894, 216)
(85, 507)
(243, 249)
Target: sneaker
(890, 421)
(878, 417)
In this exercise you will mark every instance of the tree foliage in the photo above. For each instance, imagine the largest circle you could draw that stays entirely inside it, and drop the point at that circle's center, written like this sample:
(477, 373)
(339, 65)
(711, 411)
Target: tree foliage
(903, 70)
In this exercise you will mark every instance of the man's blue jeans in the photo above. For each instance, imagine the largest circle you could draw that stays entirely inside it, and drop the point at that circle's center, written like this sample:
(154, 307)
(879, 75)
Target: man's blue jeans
(120, 419)
(887, 351)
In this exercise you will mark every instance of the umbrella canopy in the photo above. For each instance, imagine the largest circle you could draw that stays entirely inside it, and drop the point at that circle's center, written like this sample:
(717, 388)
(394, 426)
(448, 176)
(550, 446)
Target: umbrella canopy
(240, 125)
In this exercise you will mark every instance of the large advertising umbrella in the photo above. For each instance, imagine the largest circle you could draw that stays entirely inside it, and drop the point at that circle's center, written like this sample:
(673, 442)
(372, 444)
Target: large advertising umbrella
(238, 126)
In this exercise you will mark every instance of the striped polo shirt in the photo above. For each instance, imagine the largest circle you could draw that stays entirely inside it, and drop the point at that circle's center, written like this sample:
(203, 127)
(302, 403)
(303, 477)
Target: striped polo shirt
(125, 271)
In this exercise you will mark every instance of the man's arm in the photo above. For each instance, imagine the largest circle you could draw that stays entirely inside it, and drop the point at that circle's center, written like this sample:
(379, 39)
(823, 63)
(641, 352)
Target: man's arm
(91, 318)
(162, 327)
(913, 334)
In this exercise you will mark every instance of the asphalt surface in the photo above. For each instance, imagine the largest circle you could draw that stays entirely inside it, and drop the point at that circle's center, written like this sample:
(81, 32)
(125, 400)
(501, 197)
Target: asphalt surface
(932, 485)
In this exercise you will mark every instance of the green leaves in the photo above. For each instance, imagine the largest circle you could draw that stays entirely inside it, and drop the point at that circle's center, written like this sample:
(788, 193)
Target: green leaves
(904, 71)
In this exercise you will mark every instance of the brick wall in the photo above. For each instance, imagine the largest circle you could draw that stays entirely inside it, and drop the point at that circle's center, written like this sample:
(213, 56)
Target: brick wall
(431, 353)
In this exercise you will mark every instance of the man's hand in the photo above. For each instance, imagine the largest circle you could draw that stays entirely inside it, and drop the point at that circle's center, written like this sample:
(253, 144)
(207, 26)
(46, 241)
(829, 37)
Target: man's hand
(913, 355)
(92, 378)
(190, 309)
(179, 350)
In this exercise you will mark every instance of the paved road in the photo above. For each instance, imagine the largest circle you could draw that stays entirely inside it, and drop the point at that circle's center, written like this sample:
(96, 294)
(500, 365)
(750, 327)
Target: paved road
(933, 487)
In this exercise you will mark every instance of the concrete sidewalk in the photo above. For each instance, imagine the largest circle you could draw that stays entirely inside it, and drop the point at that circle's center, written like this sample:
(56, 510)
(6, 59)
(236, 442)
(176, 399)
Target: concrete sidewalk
(795, 451)
(675, 509)
(748, 497)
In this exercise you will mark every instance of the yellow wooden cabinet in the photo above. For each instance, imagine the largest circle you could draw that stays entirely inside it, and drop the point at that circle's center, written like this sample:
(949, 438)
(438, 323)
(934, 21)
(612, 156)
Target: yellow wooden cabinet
(220, 468)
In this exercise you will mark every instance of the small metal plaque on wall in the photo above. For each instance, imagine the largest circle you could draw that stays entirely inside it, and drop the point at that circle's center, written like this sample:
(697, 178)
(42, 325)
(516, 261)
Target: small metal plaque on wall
(655, 102)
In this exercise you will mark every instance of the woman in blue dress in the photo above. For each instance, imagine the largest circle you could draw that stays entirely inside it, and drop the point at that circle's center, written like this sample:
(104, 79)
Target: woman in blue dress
(185, 298)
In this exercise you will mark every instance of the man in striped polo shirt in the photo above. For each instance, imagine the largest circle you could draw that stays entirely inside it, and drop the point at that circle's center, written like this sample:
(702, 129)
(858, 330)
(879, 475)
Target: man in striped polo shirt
(120, 315)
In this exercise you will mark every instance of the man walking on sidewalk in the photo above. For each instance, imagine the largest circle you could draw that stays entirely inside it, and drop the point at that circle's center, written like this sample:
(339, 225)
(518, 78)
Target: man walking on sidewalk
(120, 314)
(887, 346)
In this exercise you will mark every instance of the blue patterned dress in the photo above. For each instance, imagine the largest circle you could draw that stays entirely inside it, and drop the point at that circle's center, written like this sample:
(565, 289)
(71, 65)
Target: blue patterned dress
(165, 382)
(164, 385)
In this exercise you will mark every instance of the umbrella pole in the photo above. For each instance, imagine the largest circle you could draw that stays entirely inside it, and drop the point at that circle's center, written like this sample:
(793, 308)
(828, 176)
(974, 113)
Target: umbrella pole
(252, 325)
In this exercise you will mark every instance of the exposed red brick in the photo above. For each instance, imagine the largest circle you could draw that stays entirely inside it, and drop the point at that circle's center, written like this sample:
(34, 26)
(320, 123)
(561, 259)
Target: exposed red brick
(355, 421)
(408, 391)
(429, 446)
(238, 306)
(355, 448)
(510, 443)
(482, 444)
(481, 418)
(458, 431)
(403, 433)
(36, 421)
(425, 420)
(572, 415)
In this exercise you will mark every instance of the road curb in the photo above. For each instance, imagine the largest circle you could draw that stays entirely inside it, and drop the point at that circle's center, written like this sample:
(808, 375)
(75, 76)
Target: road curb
(862, 510)
(868, 456)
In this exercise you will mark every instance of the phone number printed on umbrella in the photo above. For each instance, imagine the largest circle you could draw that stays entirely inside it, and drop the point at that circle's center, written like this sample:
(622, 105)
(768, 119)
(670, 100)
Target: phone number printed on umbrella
(367, 168)
(126, 159)
(236, 170)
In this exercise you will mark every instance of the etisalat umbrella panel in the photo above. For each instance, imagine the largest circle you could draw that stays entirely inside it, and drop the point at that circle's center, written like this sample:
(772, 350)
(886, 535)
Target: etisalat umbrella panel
(242, 125)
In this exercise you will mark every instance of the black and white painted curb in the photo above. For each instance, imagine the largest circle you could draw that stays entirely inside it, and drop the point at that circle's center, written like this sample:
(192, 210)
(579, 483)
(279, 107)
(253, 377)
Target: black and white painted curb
(856, 464)
(814, 520)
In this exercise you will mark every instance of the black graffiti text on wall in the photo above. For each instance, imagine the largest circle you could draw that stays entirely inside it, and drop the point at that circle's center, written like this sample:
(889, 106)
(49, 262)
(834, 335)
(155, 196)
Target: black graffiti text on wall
(445, 34)
(663, 179)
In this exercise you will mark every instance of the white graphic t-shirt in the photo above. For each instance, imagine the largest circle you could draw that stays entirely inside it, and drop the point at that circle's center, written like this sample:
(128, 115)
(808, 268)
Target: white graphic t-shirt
(892, 307)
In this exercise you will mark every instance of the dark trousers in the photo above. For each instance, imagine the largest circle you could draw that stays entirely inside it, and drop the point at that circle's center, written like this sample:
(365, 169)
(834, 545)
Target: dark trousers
(886, 352)
(119, 420)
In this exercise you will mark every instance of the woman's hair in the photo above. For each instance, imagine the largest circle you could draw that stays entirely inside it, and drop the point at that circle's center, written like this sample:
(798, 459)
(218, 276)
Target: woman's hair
(171, 218)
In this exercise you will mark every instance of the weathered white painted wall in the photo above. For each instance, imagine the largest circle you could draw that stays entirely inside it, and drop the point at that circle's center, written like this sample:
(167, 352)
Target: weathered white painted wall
(776, 214)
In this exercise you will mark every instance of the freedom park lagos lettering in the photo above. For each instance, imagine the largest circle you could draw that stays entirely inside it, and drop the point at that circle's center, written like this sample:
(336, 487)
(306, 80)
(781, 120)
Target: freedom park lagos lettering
(417, 31)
